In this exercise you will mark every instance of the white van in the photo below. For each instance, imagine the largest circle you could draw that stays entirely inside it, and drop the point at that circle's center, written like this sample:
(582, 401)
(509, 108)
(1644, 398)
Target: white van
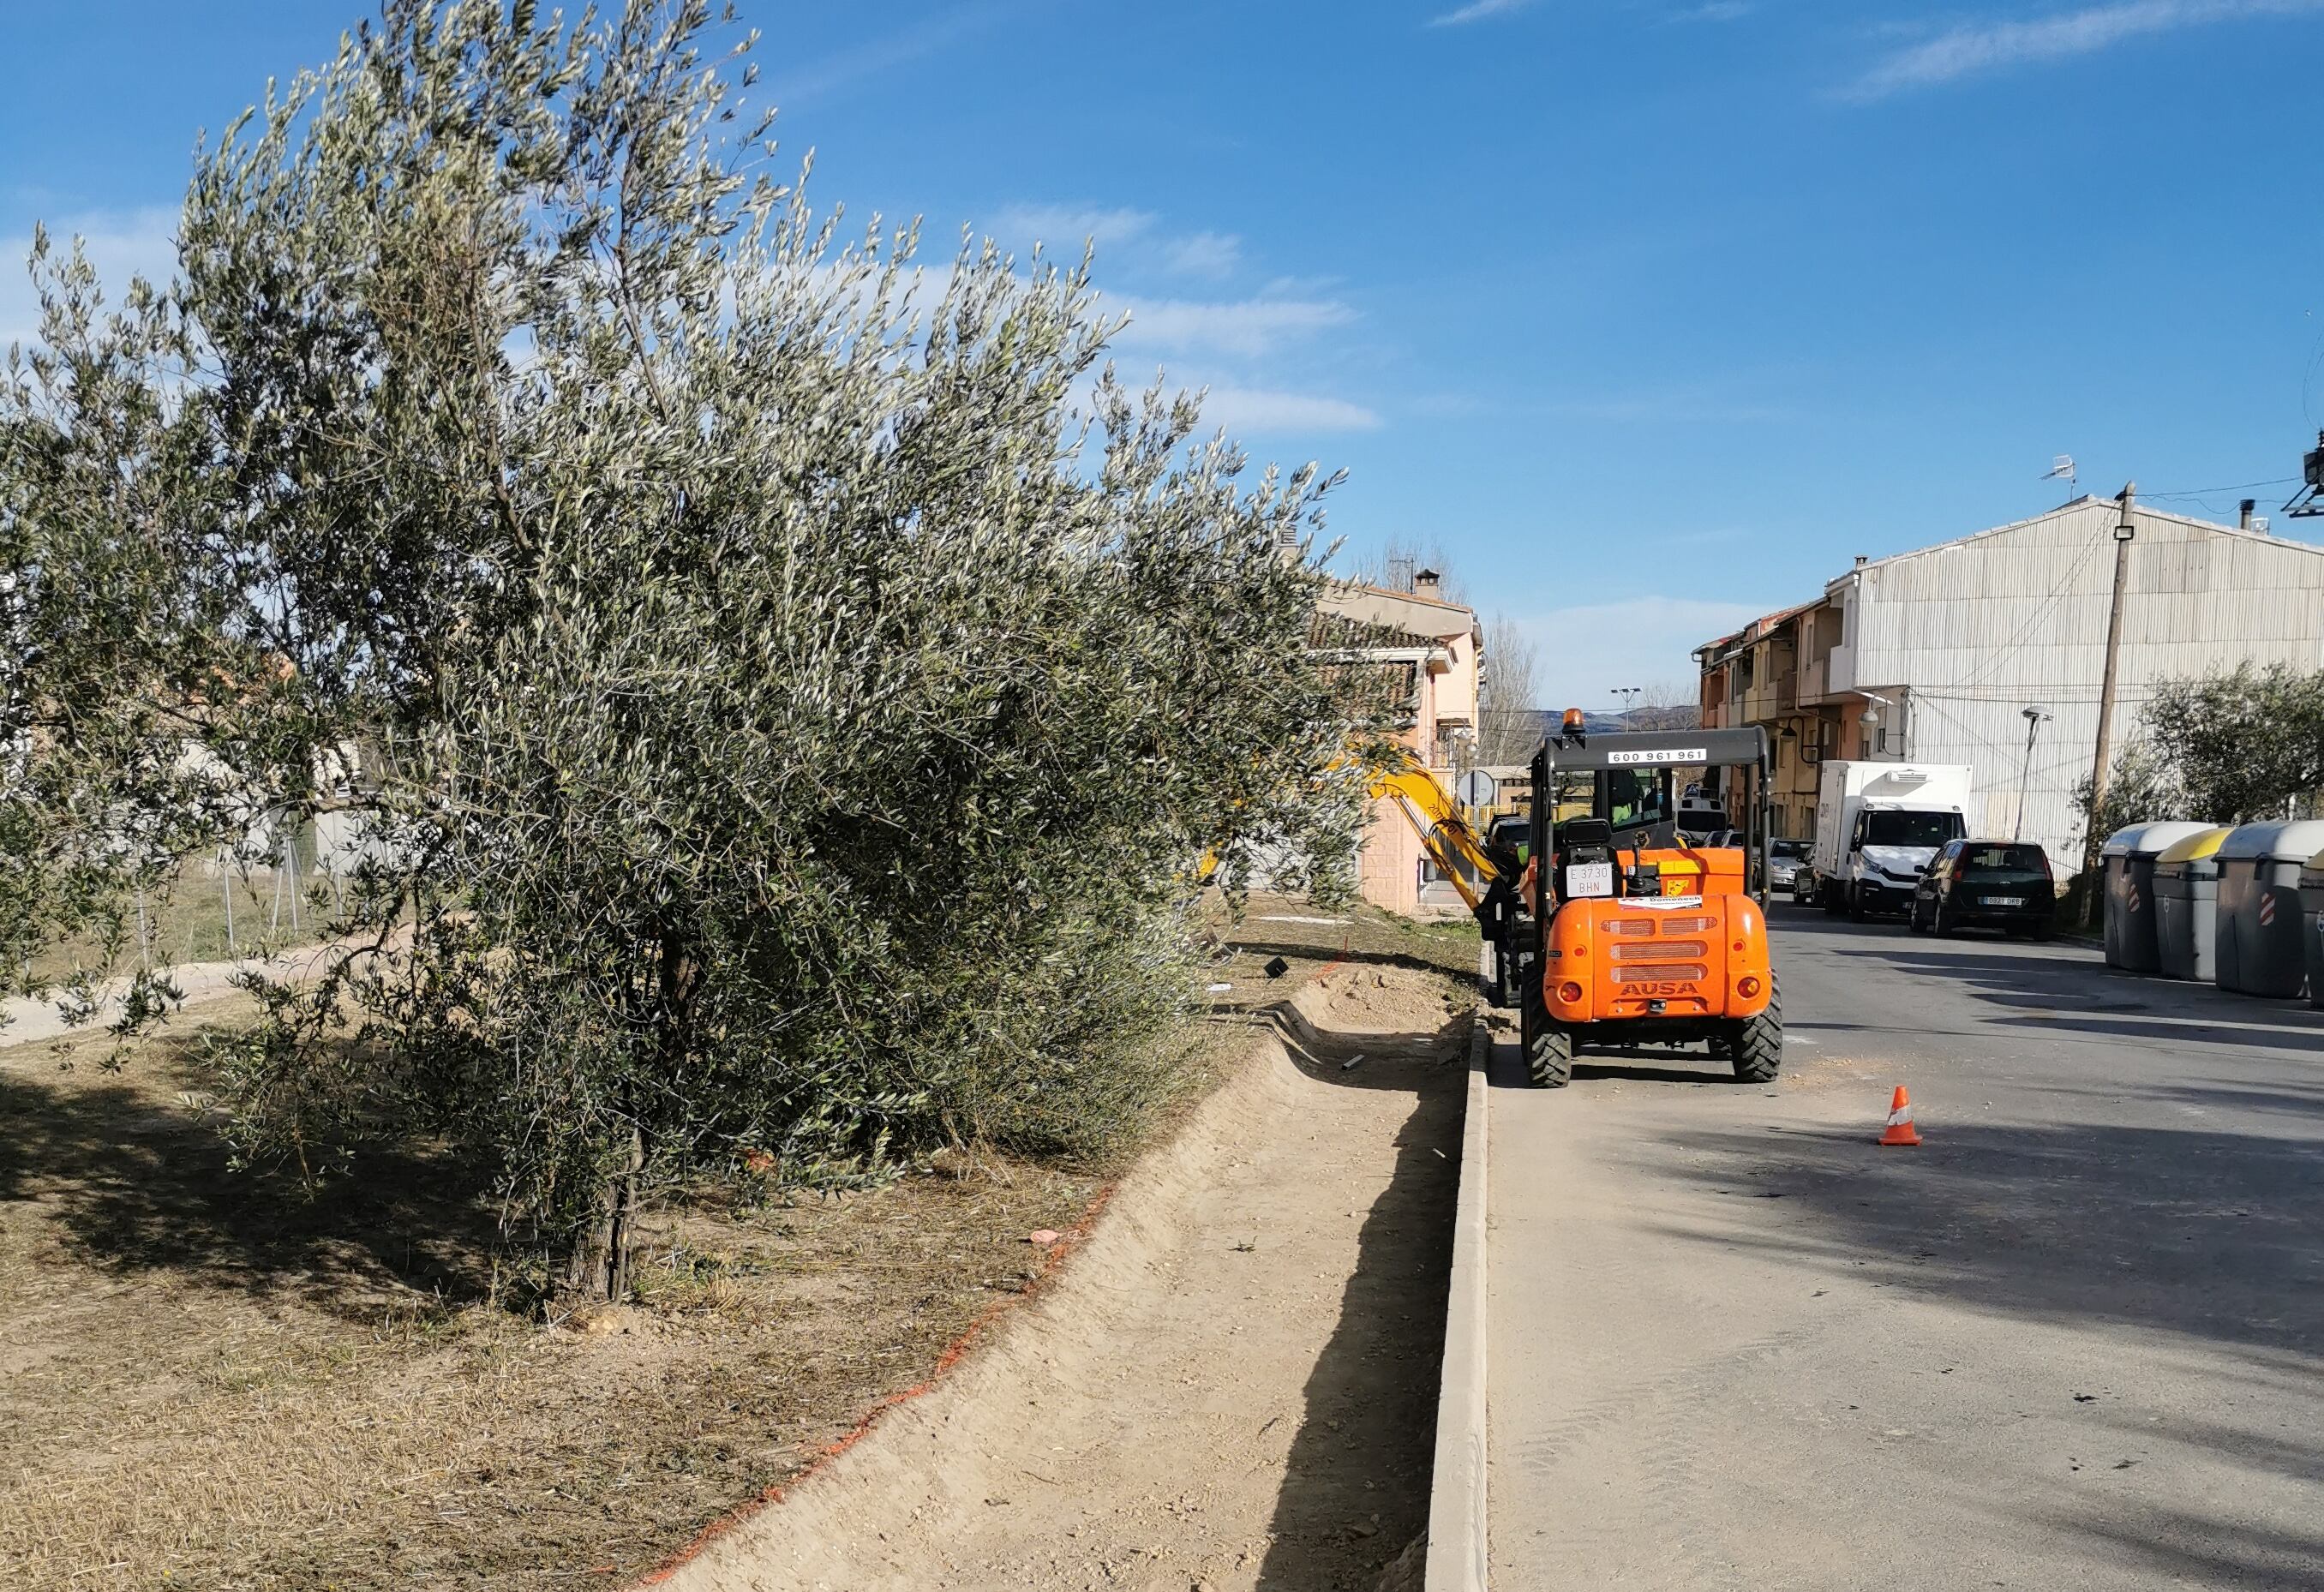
(1877, 826)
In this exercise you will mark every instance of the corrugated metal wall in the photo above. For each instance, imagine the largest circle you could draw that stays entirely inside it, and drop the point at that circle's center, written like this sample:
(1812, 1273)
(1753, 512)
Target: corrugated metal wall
(1977, 630)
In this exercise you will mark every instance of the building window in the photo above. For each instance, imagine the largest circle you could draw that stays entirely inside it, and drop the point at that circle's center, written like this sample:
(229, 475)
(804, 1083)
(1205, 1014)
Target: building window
(1882, 742)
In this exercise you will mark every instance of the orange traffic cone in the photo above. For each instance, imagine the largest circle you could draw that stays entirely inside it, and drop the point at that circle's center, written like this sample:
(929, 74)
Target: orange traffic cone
(1901, 1130)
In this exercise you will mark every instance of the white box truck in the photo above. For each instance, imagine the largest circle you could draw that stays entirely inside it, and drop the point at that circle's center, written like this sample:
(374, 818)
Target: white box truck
(1877, 826)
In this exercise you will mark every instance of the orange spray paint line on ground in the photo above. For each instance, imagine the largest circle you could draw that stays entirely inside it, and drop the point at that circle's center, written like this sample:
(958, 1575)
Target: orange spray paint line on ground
(957, 1351)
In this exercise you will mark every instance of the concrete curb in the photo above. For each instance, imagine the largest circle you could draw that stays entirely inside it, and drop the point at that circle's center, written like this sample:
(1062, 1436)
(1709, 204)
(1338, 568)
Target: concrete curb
(1457, 1541)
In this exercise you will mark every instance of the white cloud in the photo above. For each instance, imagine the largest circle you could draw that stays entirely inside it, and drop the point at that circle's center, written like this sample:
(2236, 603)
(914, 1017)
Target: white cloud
(1982, 47)
(1123, 235)
(1252, 410)
(1477, 11)
(1587, 652)
(120, 245)
(1248, 326)
(1213, 255)
(1064, 228)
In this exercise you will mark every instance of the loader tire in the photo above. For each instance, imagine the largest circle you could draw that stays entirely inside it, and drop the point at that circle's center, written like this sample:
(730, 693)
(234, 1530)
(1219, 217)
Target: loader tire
(1759, 1042)
(1549, 1059)
(1548, 1045)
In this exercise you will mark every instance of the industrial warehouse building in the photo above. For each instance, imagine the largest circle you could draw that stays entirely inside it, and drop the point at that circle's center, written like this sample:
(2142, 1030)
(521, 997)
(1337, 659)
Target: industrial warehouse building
(1934, 656)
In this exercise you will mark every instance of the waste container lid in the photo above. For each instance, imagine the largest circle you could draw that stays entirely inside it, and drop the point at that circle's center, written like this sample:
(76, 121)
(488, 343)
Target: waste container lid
(2148, 840)
(2277, 841)
(2196, 847)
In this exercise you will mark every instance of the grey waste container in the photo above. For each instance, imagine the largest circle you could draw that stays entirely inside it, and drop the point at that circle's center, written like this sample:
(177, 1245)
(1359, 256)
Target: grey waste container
(2312, 924)
(2128, 862)
(2187, 906)
(2261, 948)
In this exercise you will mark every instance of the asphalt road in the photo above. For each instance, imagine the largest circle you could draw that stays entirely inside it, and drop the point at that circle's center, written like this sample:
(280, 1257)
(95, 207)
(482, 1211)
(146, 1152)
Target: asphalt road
(2074, 1340)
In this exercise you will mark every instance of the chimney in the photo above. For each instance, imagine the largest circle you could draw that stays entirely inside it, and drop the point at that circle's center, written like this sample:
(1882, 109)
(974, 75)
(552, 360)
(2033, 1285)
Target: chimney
(1861, 561)
(1427, 583)
(2244, 510)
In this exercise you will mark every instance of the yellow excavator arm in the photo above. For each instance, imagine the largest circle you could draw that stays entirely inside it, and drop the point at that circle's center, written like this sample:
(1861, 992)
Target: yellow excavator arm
(1452, 844)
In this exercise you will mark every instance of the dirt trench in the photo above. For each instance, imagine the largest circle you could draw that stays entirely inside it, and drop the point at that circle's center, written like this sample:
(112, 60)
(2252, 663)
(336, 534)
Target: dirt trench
(1231, 1386)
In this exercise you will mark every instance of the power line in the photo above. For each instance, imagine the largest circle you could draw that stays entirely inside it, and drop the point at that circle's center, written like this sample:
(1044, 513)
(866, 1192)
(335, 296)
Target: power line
(2015, 644)
(2207, 492)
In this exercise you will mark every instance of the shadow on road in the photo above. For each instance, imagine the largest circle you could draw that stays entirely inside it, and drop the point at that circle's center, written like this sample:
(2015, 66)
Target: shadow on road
(2068, 988)
(2209, 1234)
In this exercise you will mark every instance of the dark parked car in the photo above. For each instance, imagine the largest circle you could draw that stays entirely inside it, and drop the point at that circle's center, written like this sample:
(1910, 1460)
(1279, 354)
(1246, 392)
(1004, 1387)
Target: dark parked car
(1997, 884)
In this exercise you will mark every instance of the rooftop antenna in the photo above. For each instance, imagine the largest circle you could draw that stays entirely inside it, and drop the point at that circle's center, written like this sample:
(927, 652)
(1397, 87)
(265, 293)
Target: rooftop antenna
(2062, 466)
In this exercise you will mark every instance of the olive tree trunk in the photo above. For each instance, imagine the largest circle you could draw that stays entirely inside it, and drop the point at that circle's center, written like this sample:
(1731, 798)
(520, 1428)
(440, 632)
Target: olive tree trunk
(597, 1268)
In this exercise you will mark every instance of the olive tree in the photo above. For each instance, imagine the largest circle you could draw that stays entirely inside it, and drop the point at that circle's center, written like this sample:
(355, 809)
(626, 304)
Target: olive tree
(790, 684)
(2230, 747)
(2242, 743)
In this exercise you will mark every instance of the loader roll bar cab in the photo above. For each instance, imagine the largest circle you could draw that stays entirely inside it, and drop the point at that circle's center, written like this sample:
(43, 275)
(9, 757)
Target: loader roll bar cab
(1665, 944)
(1639, 764)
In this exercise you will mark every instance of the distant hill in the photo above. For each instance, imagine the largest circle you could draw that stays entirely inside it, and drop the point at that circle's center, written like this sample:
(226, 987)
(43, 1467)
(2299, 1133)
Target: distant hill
(1598, 722)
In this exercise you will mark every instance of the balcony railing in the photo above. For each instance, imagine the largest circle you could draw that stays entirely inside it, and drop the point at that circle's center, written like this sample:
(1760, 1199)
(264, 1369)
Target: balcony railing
(1766, 702)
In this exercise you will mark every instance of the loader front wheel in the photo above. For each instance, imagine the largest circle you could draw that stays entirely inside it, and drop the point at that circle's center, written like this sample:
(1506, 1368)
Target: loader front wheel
(1759, 1044)
(1549, 1056)
(1548, 1044)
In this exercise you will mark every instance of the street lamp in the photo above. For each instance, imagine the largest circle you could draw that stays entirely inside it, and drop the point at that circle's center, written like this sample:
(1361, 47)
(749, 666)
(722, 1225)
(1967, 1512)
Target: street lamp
(2034, 717)
(1871, 715)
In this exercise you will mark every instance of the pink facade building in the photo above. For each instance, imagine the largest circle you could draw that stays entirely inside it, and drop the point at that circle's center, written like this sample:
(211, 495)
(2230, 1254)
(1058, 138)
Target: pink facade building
(1437, 646)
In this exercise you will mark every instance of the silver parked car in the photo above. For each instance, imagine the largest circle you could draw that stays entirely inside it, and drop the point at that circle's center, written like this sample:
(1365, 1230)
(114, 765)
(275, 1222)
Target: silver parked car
(1784, 861)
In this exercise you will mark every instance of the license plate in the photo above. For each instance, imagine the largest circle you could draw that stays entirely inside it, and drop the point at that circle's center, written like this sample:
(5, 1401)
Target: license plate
(1590, 879)
(2005, 900)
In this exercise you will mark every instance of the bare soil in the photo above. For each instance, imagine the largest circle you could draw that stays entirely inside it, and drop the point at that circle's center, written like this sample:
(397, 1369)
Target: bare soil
(1232, 1387)
(208, 1381)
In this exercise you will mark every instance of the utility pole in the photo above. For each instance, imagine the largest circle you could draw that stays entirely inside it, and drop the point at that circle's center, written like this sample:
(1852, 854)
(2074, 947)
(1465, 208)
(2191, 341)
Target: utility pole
(2124, 529)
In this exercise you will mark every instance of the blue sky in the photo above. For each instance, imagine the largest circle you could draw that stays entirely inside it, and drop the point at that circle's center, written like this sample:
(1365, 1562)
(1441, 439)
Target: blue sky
(1649, 313)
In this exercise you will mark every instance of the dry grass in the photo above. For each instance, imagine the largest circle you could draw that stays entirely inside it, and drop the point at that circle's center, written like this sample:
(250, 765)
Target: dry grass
(208, 1381)
(211, 1383)
(190, 921)
(1276, 924)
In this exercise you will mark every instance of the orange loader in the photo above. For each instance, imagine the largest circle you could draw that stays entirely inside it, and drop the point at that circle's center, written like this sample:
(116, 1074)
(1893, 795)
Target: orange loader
(1618, 930)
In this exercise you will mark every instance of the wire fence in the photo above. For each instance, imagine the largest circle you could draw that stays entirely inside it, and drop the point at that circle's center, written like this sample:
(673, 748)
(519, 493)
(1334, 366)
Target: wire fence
(223, 907)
